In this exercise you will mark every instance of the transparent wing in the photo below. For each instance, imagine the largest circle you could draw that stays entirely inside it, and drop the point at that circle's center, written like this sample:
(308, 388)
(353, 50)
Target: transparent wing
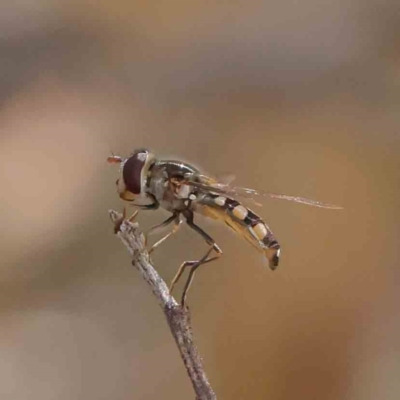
(207, 184)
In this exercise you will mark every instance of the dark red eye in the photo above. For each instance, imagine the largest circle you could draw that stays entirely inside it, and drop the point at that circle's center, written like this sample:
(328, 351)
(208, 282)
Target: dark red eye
(132, 172)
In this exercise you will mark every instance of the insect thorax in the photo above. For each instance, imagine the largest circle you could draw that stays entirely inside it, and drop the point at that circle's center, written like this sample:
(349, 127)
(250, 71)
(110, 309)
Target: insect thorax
(165, 183)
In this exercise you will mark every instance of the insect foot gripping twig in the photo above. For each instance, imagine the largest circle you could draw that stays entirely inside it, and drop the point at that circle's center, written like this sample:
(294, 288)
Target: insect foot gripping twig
(178, 317)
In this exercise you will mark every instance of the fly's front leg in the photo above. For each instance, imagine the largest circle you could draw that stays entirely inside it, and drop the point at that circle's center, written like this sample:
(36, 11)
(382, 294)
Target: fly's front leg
(195, 264)
(155, 205)
(152, 206)
(118, 223)
(173, 218)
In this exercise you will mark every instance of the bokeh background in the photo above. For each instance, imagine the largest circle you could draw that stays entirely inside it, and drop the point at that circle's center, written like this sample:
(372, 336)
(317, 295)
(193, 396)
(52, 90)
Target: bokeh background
(294, 97)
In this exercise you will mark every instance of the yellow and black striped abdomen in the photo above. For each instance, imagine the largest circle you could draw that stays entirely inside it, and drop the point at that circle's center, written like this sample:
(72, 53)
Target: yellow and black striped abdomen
(243, 221)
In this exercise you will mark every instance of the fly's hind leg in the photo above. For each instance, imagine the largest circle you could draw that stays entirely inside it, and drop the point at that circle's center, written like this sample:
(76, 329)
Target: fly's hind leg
(203, 260)
(195, 264)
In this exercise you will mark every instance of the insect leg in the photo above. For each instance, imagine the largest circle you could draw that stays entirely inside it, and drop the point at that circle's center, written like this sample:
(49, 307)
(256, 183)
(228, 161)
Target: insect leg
(133, 216)
(195, 264)
(191, 274)
(118, 223)
(173, 218)
(152, 206)
(191, 264)
(163, 224)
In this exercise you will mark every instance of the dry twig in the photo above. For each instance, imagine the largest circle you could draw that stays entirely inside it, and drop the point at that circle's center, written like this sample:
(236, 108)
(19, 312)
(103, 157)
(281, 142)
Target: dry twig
(178, 318)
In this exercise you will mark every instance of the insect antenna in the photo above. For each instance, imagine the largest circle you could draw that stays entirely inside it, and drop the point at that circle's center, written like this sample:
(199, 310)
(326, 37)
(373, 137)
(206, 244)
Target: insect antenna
(113, 159)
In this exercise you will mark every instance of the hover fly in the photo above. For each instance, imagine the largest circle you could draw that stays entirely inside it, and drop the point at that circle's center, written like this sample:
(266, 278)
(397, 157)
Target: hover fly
(181, 189)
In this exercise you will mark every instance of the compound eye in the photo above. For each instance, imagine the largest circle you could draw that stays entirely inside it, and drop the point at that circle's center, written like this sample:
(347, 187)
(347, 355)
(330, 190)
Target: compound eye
(132, 172)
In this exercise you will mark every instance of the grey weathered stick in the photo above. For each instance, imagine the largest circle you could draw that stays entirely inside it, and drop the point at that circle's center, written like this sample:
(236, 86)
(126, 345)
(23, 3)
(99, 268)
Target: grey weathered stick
(178, 318)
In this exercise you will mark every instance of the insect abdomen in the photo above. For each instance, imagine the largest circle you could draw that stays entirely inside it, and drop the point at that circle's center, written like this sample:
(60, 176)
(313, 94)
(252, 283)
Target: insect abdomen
(243, 221)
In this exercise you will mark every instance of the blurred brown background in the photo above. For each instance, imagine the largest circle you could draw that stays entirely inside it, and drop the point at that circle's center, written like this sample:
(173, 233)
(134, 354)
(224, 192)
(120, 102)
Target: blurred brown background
(293, 97)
